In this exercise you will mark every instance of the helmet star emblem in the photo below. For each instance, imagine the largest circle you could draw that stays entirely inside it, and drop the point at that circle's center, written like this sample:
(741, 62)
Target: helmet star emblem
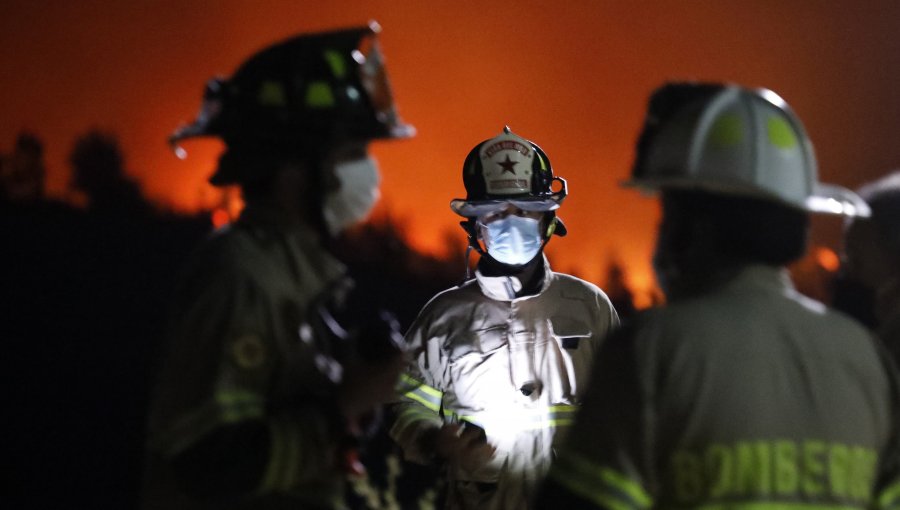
(508, 165)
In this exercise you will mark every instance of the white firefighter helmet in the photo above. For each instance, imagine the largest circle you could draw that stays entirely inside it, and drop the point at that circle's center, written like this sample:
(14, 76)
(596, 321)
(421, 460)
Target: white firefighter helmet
(731, 140)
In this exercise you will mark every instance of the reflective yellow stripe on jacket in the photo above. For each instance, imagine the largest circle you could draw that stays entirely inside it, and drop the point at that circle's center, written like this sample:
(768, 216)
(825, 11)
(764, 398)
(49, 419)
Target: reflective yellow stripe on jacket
(420, 392)
(889, 499)
(774, 505)
(226, 407)
(283, 469)
(523, 419)
(598, 484)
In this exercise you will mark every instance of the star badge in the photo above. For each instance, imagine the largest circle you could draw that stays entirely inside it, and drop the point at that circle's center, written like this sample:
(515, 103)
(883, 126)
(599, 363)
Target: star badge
(508, 165)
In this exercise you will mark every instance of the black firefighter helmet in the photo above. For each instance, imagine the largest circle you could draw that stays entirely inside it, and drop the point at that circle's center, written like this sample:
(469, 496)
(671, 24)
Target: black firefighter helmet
(309, 91)
(509, 169)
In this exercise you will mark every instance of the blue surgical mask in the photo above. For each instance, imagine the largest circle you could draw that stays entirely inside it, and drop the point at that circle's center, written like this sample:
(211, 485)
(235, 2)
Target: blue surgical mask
(513, 240)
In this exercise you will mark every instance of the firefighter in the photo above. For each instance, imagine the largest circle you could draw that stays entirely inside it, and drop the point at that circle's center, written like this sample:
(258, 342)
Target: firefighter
(740, 392)
(260, 395)
(500, 362)
(872, 256)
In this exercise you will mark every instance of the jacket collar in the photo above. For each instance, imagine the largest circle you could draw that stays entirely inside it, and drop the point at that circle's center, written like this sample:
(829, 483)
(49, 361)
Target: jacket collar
(301, 242)
(504, 288)
(761, 276)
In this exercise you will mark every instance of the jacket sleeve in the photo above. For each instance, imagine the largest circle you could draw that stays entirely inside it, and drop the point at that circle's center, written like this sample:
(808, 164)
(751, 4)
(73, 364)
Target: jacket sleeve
(420, 391)
(605, 304)
(213, 422)
(604, 462)
(887, 489)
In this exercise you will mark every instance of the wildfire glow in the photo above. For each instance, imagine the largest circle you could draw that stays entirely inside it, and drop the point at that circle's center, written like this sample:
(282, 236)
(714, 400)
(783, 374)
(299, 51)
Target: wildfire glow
(828, 259)
(460, 72)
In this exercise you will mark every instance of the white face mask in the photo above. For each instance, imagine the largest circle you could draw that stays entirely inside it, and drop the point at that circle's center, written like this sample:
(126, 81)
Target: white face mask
(513, 240)
(356, 196)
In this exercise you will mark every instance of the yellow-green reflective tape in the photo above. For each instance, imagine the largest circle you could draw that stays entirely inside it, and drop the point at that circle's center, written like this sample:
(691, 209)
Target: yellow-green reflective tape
(633, 490)
(406, 383)
(781, 134)
(272, 477)
(423, 400)
(292, 458)
(239, 405)
(405, 379)
(889, 496)
(534, 419)
(239, 396)
(319, 95)
(418, 412)
(234, 415)
(543, 164)
(585, 490)
(422, 393)
(589, 473)
(226, 407)
(766, 505)
(547, 424)
(271, 93)
(727, 131)
(413, 414)
(336, 62)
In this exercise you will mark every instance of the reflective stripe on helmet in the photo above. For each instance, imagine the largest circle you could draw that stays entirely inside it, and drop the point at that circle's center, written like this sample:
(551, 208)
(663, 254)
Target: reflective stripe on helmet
(314, 88)
(726, 139)
(319, 95)
(598, 484)
(541, 160)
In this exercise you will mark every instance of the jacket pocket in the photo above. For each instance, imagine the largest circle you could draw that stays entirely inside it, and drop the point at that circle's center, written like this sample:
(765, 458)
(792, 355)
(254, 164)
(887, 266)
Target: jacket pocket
(480, 343)
(570, 332)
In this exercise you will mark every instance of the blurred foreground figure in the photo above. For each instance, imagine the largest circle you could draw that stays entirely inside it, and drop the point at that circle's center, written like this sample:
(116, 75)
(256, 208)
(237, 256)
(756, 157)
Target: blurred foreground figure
(739, 393)
(501, 361)
(872, 256)
(263, 386)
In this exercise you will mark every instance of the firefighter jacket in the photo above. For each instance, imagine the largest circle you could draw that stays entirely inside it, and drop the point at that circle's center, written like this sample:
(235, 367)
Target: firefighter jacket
(515, 367)
(243, 417)
(751, 396)
(887, 311)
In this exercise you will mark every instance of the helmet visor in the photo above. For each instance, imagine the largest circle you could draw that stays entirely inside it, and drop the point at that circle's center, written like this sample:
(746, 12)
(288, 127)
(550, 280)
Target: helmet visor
(473, 208)
(374, 79)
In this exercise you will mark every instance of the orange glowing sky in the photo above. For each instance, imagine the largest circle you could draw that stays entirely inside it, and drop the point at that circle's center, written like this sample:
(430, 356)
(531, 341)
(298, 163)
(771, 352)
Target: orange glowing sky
(571, 75)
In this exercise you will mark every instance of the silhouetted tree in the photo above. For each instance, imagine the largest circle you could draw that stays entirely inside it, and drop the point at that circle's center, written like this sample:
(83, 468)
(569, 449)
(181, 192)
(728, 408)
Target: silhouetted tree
(98, 172)
(22, 174)
(617, 289)
(84, 295)
(396, 275)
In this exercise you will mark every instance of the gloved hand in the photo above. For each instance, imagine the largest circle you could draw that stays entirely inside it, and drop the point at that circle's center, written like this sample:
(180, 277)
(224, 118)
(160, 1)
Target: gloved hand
(463, 445)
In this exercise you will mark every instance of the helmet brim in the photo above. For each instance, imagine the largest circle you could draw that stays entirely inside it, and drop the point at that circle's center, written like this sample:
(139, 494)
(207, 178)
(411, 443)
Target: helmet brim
(474, 208)
(833, 199)
(826, 198)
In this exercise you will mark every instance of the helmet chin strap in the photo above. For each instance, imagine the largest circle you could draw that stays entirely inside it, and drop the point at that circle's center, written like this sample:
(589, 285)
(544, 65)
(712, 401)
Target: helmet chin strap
(471, 229)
